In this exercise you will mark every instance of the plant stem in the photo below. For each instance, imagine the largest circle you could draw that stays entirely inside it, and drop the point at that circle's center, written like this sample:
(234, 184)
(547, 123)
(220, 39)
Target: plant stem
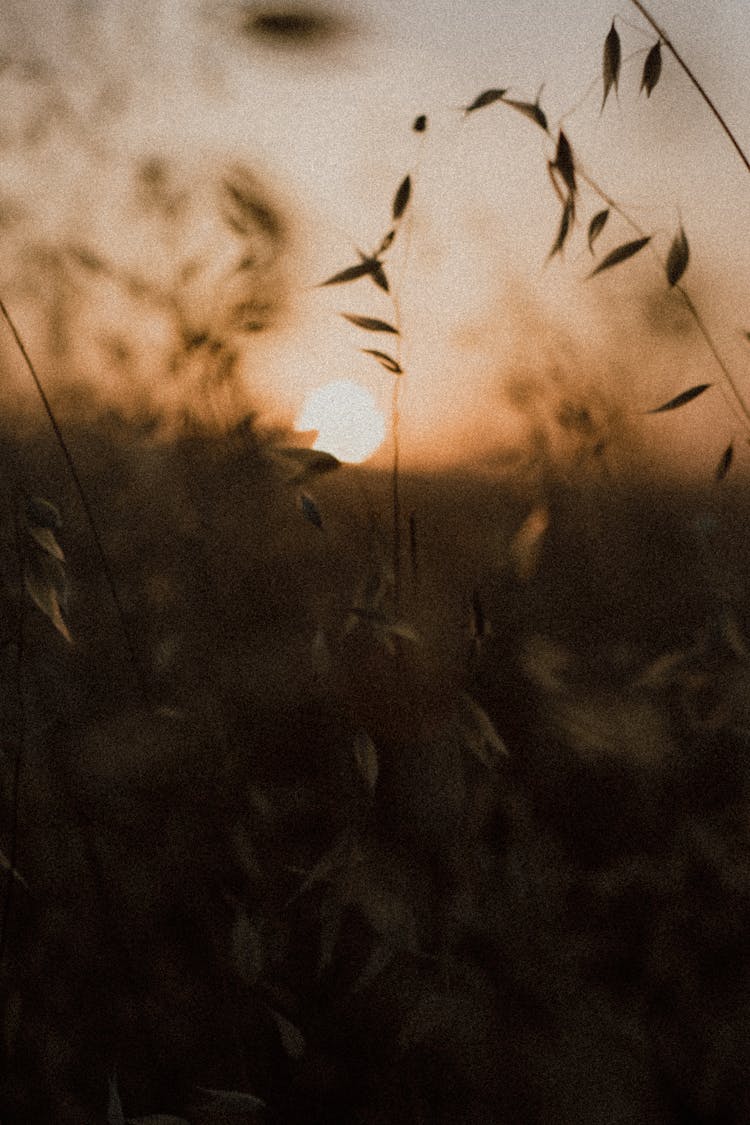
(413, 551)
(396, 493)
(737, 403)
(396, 438)
(15, 795)
(711, 345)
(692, 77)
(62, 443)
(396, 394)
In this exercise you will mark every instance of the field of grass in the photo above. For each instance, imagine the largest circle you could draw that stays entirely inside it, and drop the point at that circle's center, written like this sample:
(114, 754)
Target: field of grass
(485, 861)
(334, 795)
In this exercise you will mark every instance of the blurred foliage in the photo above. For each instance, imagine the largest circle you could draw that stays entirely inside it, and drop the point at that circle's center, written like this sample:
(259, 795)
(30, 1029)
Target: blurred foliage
(322, 843)
(305, 883)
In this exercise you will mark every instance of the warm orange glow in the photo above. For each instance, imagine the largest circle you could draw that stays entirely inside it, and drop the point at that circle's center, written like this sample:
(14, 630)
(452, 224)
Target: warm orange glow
(347, 418)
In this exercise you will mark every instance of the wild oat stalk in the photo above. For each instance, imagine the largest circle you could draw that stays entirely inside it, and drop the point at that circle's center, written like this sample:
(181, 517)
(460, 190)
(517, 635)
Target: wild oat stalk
(373, 266)
(81, 492)
(565, 173)
(693, 79)
(18, 760)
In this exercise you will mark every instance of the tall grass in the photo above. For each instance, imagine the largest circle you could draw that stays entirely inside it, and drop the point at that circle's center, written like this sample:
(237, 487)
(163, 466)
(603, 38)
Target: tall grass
(322, 867)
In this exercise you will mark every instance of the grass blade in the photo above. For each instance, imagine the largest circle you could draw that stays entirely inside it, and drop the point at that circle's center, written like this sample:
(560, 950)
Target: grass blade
(620, 254)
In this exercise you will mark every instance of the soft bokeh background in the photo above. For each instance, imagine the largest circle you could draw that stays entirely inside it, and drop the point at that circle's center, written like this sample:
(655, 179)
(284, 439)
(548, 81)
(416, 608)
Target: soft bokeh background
(299, 864)
(328, 127)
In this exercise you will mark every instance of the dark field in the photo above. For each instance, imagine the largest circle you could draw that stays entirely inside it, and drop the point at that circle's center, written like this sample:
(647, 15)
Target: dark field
(287, 858)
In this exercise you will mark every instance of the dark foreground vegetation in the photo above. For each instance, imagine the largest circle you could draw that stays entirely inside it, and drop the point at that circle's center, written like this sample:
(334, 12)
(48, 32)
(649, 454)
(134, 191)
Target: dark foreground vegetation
(285, 871)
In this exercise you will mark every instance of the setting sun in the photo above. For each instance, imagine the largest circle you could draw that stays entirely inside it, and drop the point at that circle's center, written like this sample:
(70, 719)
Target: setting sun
(349, 423)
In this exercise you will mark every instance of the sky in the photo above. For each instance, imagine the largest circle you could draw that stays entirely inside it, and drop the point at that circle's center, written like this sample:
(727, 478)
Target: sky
(478, 295)
(480, 306)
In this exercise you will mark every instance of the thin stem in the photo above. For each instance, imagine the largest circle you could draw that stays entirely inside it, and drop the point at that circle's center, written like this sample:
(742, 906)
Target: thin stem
(692, 77)
(711, 345)
(413, 551)
(396, 402)
(396, 439)
(737, 402)
(15, 794)
(592, 86)
(73, 471)
(396, 492)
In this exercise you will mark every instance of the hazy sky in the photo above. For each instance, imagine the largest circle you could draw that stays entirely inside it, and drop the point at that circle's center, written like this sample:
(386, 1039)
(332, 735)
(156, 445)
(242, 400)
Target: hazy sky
(480, 306)
(485, 215)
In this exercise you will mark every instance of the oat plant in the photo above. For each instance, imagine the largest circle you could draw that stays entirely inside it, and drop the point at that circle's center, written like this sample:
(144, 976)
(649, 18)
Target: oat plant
(567, 173)
(376, 266)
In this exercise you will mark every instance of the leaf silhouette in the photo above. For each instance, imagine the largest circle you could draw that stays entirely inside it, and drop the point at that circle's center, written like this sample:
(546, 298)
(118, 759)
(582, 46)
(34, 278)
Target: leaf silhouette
(45, 598)
(725, 463)
(568, 215)
(301, 464)
(386, 361)
(245, 211)
(564, 162)
(370, 266)
(621, 254)
(478, 624)
(233, 1101)
(525, 549)
(310, 510)
(370, 323)
(532, 110)
(250, 316)
(404, 630)
(419, 124)
(651, 69)
(5, 865)
(350, 274)
(378, 275)
(194, 340)
(292, 1039)
(386, 243)
(47, 541)
(42, 513)
(596, 226)
(401, 199)
(484, 99)
(611, 62)
(677, 259)
(479, 734)
(681, 399)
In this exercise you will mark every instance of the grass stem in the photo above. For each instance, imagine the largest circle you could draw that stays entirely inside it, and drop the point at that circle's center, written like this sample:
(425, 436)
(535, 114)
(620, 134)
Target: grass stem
(736, 402)
(75, 478)
(693, 79)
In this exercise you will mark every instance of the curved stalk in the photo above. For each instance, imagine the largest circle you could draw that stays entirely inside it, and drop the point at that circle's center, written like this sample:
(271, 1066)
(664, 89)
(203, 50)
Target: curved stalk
(20, 748)
(693, 79)
(75, 478)
(737, 402)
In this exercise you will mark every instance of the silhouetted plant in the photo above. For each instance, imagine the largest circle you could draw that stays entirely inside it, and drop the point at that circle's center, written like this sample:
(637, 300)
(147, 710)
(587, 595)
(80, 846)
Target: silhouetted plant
(565, 171)
(373, 266)
(335, 877)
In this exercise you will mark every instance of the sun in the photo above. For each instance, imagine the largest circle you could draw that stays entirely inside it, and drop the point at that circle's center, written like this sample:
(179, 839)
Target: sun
(349, 423)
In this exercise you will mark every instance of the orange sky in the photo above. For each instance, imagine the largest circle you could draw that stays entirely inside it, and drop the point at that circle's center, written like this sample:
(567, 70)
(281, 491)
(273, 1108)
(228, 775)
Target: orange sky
(479, 307)
(484, 216)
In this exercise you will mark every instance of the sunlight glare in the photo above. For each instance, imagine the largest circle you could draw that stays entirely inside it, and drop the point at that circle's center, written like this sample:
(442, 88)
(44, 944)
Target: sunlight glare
(349, 423)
